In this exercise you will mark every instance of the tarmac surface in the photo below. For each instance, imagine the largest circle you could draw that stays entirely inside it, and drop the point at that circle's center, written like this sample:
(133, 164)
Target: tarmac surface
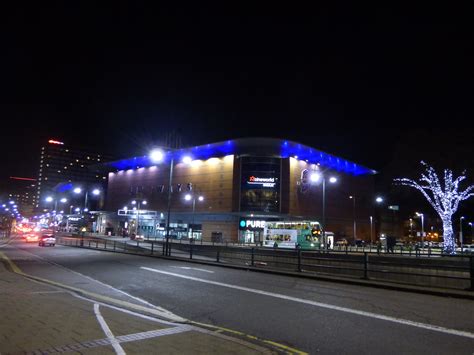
(41, 316)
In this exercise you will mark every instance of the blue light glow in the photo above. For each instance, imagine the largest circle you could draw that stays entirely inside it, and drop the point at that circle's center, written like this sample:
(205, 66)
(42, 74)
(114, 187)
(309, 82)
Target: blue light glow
(284, 149)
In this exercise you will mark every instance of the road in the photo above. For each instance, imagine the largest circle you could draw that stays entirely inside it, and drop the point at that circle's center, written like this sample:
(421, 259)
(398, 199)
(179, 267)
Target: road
(309, 315)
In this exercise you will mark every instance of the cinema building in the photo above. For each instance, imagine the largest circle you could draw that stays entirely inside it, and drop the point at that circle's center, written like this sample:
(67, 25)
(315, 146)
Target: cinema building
(229, 190)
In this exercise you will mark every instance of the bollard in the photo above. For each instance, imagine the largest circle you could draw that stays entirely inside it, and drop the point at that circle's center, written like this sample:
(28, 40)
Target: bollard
(190, 251)
(105, 244)
(401, 250)
(429, 251)
(114, 245)
(253, 257)
(96, 244)
(152, 248)
(163, 249)
(218, 255)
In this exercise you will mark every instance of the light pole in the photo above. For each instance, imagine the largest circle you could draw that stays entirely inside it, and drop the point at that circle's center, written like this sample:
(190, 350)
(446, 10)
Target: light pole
(371, 223)
(411, 227)
(460, 232)
(138, 203)
(157, 156)
(314, 178)
(353, 198)
(188, 197)
(422, 216)
(472, 230)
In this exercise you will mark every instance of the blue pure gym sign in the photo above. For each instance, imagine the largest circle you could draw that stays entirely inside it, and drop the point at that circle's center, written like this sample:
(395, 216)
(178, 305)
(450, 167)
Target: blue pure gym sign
(251, 224)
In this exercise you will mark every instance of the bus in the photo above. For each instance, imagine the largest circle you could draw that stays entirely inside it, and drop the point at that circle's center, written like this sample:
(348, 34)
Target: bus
(290, 234)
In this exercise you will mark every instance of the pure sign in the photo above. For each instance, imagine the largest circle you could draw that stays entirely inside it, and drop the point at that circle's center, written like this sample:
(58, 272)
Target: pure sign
(251, 224)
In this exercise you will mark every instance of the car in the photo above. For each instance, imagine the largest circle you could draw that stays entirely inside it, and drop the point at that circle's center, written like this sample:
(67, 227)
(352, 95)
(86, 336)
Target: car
(47, 239)
(31, 238)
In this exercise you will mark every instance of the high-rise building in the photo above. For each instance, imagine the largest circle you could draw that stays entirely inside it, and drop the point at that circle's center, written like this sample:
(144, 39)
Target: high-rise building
(23, 192)
(60, 163)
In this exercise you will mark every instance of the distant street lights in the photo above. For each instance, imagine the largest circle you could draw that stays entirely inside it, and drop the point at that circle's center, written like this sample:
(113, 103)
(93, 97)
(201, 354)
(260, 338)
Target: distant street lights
(189, 197)
(460, 233)
(78, 190)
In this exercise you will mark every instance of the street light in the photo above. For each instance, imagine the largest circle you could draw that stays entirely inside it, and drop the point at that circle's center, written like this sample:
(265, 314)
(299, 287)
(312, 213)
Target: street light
(353, 198)
(314, 178)
(379, 199)
(371, 223)
(189, 197)
(158, 156)
(138, 203)
(460, 232)
(422, 230)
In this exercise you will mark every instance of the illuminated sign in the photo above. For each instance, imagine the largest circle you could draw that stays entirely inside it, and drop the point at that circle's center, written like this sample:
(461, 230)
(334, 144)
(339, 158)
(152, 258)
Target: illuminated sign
(263, 182)
(52, 141)
(251, 224)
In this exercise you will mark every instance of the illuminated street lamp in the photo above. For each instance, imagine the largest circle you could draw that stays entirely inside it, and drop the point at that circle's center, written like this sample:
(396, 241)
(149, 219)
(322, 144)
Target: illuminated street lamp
(315, 177)
(460, 233)
(422, 216)
(189, 197)
(157, 156)
(138, 203)
(353, 198)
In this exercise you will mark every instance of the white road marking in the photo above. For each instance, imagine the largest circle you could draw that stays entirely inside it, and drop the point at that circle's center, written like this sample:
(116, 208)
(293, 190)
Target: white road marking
(431, 327)
(194, 268)
(113, 341)
(165, 313)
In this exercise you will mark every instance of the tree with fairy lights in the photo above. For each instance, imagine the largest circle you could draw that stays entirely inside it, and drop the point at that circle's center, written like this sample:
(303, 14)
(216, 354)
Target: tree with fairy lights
(444, 196)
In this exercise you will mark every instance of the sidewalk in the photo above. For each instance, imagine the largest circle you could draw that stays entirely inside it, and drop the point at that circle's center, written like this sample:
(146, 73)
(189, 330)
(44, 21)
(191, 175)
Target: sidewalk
(39, 318)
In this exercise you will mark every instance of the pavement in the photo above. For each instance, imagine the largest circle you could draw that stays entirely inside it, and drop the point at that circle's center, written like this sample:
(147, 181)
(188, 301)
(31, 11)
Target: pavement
(45, 317)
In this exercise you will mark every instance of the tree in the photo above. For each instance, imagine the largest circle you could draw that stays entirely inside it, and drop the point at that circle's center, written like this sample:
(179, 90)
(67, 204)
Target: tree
(443, 196)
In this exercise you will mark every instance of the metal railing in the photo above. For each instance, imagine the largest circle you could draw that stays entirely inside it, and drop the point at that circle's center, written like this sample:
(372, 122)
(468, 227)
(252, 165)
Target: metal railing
(453, 272)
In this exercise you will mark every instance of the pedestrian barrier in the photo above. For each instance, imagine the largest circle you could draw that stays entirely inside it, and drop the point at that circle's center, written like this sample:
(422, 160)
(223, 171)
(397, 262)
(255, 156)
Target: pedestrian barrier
(454, 272)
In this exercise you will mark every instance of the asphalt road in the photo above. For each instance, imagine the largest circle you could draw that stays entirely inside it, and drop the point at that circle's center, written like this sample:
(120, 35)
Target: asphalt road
(313, 316)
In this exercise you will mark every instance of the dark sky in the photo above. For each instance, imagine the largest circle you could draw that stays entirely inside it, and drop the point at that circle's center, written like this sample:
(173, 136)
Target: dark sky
(368, 83)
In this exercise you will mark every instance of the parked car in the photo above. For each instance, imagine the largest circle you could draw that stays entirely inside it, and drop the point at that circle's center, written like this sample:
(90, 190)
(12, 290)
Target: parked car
(466, 249)
(47, 239)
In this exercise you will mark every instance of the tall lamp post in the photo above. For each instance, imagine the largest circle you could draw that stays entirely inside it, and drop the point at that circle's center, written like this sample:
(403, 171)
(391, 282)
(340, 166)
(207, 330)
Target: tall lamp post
(460, 233)
(138, 203)
(422, 216)
(315, 177)
(472, 230)
(371, 223)
(353, 198)
(157, 156)
(189, 197)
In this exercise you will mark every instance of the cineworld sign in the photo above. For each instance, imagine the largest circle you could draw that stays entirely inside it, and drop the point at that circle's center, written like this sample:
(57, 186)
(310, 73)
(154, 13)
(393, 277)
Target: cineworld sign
(262, 182)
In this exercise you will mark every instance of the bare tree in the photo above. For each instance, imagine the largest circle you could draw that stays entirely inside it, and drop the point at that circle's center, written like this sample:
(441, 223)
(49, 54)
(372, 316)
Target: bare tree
(444, 196)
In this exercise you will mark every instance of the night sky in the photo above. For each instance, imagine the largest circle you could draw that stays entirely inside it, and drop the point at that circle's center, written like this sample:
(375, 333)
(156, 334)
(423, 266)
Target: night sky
(381, 86)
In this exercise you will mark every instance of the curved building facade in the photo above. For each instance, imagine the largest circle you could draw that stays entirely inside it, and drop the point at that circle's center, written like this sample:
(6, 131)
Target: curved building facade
(228, 190)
